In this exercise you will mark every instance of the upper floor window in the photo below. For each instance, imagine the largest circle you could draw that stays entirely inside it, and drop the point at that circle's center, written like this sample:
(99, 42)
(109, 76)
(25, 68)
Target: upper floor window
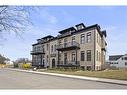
(52, 48)
(97, 38)
(82, 38)
(47, 46)
(55, 47)
(125, 58)
(43, 48)
(65, 40)
(88, 37)
(59, 42)
(73, 38)
(88, 55)
(80, 27)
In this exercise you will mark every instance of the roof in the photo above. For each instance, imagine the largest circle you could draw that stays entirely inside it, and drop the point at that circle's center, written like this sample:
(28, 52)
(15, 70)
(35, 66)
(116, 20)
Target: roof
(66, 30)
(114, 57)
(49, 36)
(75, 32)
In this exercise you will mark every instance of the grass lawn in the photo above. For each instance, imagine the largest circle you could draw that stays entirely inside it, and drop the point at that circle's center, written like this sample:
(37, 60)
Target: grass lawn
(110, 74)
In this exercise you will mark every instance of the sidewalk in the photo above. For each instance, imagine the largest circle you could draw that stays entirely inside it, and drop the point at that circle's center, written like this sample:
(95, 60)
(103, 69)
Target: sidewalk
(121, 82)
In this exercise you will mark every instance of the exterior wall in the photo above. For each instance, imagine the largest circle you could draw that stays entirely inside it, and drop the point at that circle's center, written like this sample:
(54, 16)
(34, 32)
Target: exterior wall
(94, 45)
(53, 54)
(84, 47)
(98, 51)
(120, 63)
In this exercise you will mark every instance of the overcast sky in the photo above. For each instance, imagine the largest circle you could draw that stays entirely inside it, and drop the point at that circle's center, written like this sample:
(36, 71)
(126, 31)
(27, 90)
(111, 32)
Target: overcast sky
(49, 20)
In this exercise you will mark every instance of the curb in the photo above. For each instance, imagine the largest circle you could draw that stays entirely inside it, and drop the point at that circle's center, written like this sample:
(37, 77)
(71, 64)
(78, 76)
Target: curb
(113, 81)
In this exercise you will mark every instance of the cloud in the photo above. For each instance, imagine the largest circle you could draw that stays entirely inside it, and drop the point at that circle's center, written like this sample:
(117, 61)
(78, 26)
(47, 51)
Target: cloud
(46, 15)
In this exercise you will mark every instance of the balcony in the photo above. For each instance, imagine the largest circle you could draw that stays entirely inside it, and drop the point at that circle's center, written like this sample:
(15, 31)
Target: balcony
(37, 52)
(68, 64)
(68, 46)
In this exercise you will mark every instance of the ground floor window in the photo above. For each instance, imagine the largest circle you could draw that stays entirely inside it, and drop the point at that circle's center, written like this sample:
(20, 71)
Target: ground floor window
(82, 67)
(125, 63)
(89, 68)
(88, 55)
(82, 56)
(73, 56)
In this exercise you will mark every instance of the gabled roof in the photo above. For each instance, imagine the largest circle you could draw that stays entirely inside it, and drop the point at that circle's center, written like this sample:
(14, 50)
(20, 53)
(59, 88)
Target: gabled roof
(114, 57)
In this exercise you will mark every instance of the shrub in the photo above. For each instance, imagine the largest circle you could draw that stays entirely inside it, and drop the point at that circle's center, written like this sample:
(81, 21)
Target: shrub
(26, 66)
(16, 65)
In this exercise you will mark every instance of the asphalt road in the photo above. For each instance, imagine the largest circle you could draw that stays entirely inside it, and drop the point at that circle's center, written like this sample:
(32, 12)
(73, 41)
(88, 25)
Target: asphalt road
(20, 80)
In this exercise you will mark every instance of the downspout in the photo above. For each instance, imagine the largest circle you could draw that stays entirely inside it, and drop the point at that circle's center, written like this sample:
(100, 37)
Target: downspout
(94, 48)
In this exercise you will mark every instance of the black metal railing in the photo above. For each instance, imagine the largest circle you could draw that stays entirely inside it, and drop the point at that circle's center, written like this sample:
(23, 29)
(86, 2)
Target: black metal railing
(68, 63)
(37, 52)
(68, 44)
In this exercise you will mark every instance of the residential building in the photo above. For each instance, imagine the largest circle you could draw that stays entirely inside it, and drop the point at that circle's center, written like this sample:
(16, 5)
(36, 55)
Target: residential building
(78, 46)
(119, 61)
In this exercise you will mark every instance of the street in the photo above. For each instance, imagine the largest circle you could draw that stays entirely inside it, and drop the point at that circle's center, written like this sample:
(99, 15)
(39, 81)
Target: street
(21, 80)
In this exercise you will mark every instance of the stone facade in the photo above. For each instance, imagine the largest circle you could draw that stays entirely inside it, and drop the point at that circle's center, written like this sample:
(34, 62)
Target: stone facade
(78, 46)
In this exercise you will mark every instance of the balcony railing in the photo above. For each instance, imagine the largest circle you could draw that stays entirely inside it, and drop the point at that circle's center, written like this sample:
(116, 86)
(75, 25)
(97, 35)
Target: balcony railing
(68, 46)
(68, 64)
(35, 52)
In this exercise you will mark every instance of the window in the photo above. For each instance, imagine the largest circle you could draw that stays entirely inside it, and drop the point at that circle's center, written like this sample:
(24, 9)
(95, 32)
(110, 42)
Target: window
(97, 55)
(88, 55)
(47, 47)
(88, 37)
(47, 58)
(82, 38)
(52, 48)
(65, 42)
(73, 56)
(89, 68)
(125, 58)
(125, 63)
(97, 37)
(73, 40)
(80, 27)
(43, 49)
(82, 56)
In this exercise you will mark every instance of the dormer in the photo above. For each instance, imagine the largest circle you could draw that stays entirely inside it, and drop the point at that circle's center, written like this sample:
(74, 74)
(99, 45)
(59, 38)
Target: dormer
(104, 33)
(39, 40)
(68, 30)
(46, 38)
(80, 26)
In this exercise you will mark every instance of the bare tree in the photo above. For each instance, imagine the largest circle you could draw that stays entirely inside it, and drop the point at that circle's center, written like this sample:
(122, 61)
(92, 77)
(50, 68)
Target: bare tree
(14, 18)
(3, 59)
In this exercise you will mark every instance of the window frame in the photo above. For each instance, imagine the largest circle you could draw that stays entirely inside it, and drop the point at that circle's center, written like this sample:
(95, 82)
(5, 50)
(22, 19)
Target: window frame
(82, 38)
(89, 55)
(88, 38)
(82, 55)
